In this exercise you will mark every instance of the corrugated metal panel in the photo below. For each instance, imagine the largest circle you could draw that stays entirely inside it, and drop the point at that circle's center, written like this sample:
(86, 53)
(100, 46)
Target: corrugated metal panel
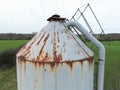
(55, 59)
(77, 75)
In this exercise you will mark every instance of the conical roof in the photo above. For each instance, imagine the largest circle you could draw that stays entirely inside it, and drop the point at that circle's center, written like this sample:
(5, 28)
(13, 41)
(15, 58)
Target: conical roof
(55, 43)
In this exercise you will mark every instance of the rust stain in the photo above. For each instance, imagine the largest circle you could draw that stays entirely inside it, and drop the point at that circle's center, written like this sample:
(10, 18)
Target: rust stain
(28, 48)
(53, 65)
(43, 45)
(36, 69)
(20, 69)
(59, 57)
(25, 71)
(45, 40)
(70, 64)
(33, 42)
(38, 64)
(81, 62)
(46, 58)
(28, 56)
(43, 64)
(54, 45)
(56, 58)
(20, 65)
(35, 64)
(55, 55)
(41, 38)
(91, 61)
(38, 57)
(26, 53)
(58, 36)
(21, 49)
(40, 53)
(64, 47)
(21, 58)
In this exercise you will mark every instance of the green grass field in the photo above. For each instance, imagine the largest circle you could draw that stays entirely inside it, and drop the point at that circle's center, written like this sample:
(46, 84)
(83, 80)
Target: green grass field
(9, 44)
(112, 65)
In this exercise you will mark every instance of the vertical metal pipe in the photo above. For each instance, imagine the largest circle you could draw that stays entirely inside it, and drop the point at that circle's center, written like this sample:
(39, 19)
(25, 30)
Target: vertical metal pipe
(101, 48)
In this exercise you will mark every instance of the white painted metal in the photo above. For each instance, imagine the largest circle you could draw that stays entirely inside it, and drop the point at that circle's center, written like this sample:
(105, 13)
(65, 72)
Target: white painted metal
(101, 48)
(55, 59)
(36, 76)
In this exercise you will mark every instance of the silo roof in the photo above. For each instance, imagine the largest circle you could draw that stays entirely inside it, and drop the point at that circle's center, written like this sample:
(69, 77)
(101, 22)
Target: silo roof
(55, 43)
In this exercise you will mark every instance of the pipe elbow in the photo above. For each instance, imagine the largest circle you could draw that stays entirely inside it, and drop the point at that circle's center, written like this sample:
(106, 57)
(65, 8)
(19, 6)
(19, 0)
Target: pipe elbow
(89, 37)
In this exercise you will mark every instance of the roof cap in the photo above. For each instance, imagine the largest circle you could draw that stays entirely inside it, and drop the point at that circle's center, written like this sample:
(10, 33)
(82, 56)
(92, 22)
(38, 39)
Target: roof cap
(56, 17)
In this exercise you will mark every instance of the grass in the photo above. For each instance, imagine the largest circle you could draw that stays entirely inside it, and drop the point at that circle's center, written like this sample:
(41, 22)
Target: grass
(9, 44)
(112, 66)
(8, 79)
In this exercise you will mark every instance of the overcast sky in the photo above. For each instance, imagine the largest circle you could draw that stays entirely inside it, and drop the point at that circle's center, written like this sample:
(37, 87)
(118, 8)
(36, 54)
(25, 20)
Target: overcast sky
(27, 16)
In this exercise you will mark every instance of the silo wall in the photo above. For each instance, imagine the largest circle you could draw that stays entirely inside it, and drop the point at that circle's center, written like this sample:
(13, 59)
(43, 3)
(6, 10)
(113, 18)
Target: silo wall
(72, 75)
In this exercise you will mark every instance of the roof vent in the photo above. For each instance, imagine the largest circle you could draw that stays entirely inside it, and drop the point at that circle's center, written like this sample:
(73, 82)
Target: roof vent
(56, 18)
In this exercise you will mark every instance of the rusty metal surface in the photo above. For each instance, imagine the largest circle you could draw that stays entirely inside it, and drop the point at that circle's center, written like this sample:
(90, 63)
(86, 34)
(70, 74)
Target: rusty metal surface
(55, 59)
(55, 43)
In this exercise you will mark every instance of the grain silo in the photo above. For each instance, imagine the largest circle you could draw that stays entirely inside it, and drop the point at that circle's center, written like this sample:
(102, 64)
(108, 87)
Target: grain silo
(55, 59)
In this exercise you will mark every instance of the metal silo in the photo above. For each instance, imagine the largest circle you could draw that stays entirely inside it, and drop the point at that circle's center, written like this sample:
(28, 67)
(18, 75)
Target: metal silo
(55, 59)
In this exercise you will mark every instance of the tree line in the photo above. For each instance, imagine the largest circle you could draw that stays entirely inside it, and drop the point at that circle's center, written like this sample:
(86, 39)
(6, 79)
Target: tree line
(14, 36)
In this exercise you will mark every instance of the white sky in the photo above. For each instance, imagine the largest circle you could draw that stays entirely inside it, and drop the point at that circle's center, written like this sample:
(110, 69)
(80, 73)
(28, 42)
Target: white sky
(27, 16)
